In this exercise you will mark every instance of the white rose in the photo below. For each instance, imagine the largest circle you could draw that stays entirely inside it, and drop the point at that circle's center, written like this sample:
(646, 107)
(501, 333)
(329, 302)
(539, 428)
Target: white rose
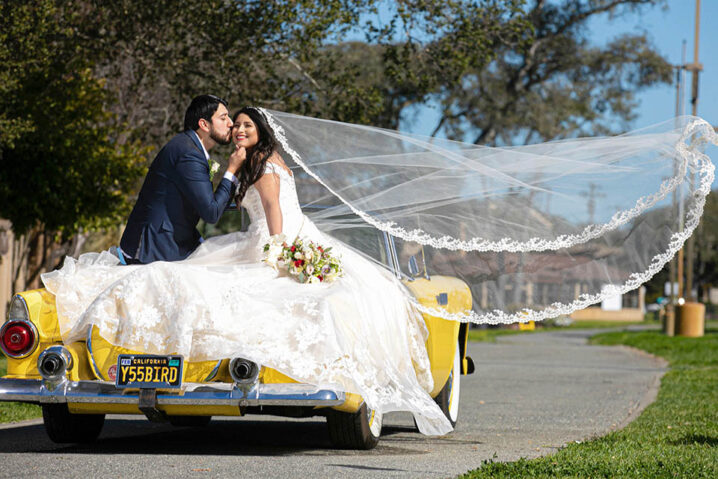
(213, 168)
(275, 251)
(309, 269)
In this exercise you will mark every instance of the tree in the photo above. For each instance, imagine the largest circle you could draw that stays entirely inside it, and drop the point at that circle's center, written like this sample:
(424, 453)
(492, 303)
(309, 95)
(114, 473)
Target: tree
(282, 54)
(157, 55)
(557, 84)
(706, 237)
(424, 49)
(25, 33)
(87, 82)
(62, 167)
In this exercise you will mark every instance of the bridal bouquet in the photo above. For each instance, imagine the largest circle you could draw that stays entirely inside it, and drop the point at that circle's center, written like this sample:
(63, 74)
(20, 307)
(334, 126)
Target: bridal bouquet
(303, 259)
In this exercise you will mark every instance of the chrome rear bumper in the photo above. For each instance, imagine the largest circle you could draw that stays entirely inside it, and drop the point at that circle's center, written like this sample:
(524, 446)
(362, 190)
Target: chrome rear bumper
(216, 394)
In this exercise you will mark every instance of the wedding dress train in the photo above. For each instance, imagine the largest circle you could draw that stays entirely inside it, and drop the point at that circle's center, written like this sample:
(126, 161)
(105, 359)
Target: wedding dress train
(359, 334)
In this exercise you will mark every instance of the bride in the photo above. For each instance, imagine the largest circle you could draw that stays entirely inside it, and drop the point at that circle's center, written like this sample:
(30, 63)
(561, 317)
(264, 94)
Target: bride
(223, 301)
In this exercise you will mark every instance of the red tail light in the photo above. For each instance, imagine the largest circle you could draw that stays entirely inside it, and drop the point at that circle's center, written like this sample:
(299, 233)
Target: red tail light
(18, 338)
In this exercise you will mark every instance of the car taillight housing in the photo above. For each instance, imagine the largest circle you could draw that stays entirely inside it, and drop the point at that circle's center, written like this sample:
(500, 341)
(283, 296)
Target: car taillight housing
(18, 338)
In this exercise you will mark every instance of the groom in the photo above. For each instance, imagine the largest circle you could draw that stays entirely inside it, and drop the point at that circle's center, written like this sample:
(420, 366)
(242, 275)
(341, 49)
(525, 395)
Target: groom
(177, 191)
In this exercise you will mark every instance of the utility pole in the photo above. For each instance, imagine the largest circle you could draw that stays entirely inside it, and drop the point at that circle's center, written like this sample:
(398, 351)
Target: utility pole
(695, 68)
(690, 316)
(592, 194)
(675, 272)
(676, 277)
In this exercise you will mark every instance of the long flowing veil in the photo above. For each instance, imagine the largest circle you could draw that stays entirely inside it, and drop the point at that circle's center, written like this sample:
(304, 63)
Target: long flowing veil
(535, 231)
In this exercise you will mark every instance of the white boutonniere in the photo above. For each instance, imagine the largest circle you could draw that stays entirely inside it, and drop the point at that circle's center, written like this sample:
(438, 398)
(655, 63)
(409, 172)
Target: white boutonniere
(213, 168)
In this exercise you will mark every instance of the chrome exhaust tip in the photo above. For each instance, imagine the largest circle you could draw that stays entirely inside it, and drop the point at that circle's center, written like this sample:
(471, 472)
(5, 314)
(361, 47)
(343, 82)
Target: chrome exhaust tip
(243, 371)
(54, 362)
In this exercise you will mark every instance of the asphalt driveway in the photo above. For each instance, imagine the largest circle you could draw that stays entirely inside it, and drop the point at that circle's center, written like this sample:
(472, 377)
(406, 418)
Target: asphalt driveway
(530, 395)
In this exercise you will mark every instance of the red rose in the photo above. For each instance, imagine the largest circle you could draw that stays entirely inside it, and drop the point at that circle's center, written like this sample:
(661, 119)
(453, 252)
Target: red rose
(294, 248)
(297, 263)
(320, 278)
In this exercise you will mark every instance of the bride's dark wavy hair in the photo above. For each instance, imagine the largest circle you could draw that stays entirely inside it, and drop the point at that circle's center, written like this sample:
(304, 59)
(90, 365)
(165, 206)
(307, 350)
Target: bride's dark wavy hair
(253, 167)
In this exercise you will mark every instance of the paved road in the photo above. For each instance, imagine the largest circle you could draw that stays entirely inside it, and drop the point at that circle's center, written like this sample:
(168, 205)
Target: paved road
(531, 394)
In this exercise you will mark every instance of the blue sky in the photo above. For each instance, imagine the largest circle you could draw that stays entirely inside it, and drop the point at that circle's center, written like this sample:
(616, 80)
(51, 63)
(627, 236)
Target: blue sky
(667, 29)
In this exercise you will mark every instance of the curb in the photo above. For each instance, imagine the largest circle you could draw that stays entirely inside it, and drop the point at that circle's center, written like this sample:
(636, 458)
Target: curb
(26, 422)
(652, 393)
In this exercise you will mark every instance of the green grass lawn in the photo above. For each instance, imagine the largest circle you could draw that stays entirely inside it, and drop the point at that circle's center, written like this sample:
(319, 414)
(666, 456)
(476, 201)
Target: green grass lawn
(676, 436)
(15, 411)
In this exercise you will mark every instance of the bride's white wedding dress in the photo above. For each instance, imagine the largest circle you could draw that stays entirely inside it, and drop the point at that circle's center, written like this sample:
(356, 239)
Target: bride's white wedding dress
(358, 334)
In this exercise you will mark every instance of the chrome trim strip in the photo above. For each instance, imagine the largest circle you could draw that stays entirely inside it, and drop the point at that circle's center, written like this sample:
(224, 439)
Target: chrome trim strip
(426, 269)
(97, 392)
(395, 257)
(24, 303)
(214, 372)
(88, 344)
(391, 254)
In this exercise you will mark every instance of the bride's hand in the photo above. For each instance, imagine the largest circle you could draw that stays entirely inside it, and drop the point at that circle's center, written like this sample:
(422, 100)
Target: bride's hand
(236, 159)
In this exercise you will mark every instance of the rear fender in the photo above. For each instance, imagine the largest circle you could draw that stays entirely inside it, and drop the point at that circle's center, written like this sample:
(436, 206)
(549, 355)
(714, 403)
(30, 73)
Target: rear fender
(454, 296)
(41, 308)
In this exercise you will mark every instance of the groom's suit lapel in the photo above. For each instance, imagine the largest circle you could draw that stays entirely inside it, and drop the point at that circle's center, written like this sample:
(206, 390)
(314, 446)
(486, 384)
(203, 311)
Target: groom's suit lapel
(195, 141)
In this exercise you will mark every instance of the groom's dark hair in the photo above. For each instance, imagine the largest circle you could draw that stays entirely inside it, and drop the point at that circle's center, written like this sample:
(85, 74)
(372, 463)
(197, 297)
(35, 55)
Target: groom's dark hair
(202, 106)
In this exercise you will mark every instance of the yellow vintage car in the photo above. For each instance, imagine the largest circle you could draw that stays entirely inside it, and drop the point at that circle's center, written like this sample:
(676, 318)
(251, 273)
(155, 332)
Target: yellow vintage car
(77, 384)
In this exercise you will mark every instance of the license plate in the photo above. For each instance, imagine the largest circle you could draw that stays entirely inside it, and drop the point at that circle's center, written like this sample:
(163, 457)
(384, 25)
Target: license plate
(148, 371)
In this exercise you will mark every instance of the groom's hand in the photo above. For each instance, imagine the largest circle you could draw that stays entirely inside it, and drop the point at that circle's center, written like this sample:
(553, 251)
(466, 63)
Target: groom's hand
(236, 159)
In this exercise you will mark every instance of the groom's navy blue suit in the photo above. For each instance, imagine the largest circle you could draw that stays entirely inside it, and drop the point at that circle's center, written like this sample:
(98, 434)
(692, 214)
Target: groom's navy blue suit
(177, 192)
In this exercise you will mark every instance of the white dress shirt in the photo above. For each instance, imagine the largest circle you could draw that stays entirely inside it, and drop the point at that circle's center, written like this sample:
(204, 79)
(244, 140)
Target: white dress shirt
(227, 174)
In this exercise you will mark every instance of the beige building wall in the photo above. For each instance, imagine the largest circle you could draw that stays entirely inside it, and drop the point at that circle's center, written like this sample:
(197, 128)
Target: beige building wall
(6, 251)
(595, 313)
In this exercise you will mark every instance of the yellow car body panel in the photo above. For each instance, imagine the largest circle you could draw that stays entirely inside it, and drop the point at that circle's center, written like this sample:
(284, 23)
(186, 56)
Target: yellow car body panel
(442, 342)
(272, 376)
(103, 356)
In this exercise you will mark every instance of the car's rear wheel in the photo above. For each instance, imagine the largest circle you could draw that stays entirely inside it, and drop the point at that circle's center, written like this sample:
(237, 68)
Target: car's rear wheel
(62, 426)
(359, 430)
(190, 421)
(448, 397)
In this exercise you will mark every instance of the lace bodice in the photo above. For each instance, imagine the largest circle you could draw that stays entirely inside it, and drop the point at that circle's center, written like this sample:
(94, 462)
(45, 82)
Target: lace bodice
(292, 216)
